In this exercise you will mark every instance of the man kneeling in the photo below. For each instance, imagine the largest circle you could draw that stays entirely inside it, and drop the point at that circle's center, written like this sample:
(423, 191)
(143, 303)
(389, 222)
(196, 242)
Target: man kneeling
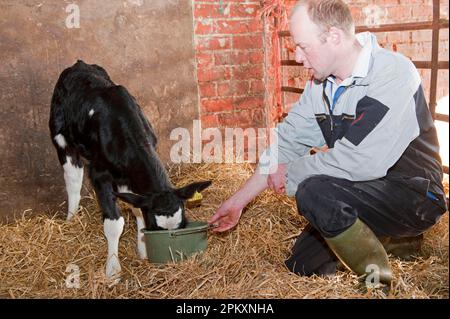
(376, 171)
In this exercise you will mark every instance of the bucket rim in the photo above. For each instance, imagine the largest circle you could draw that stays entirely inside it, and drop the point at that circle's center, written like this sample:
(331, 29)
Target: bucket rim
(202, 226)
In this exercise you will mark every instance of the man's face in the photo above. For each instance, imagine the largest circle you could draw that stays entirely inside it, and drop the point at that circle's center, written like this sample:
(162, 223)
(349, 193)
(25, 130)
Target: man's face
(316, 55)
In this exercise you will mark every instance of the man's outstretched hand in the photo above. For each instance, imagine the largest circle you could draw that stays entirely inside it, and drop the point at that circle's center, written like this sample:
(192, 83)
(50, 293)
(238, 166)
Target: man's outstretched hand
(226, 217)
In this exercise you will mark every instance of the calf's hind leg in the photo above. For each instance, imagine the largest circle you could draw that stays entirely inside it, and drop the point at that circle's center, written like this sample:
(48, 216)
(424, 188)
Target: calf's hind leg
(73, 173)
(73, 176)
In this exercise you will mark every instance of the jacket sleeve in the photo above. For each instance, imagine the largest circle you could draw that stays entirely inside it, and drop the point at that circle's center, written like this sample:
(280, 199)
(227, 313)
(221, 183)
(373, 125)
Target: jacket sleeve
(293, 137)
(385, 124)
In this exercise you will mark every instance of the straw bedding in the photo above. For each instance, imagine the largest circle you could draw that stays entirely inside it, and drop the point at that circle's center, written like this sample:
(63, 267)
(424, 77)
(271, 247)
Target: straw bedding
(38, 253)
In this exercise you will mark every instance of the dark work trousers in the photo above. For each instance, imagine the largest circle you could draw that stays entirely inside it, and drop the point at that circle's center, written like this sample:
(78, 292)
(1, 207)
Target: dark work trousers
(331, 205)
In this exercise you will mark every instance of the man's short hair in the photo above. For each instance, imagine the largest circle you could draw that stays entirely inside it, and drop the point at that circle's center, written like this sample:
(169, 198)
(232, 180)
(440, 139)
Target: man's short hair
(328, 13)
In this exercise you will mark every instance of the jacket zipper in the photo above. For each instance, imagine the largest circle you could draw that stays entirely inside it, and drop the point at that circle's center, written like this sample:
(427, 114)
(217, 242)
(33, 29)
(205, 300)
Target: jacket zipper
(325, 98)
(327, 102)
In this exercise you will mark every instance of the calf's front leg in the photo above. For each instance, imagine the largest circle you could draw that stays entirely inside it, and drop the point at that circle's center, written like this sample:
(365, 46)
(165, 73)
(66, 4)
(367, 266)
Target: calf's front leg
(113, 221)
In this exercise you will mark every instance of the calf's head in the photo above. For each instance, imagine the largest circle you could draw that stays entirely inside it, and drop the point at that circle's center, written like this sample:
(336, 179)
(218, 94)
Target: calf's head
(164, 210)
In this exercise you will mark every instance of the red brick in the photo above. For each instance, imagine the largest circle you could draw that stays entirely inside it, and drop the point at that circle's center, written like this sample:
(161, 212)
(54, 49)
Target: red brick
(237, 26)
(240, 87)
(399, 13)
(234, 120)
(443, 51)
(222, 59)
(244, 10)
(244, 118)
(204, 60)
(224, 89)
(217, 105)
(245, 57)
(204, 27)
(213, 43)
(207, 89)
(249, 103)
(444, 8)
(257, 57)
(210, 11)
(248, 72)
(233, 88)
(422, 12)
(422, 35)
(210, 120)
(258, 118)
(213, 74)
(257, 87)
(248, 42)
(399, 37)
(240, 58)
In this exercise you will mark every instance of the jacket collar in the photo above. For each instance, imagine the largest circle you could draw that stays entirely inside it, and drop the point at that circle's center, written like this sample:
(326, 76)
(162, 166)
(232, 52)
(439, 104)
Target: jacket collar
(363, 64)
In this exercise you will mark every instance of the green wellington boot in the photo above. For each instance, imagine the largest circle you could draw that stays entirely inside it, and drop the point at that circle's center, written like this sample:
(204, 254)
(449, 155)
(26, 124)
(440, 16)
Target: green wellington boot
(360, 250)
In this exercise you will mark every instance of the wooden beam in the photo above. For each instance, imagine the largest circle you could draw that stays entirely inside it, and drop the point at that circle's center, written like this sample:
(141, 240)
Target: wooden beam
(440, 117)
(412, 26)
(427, 64)
(290, 63)
(291, 89)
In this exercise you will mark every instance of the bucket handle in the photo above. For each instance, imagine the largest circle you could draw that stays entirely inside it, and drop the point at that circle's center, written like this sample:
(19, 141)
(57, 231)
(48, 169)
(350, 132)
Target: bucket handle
(193, 231)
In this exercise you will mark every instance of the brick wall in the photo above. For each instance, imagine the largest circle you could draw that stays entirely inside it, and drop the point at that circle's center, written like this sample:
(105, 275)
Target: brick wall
(230, 63)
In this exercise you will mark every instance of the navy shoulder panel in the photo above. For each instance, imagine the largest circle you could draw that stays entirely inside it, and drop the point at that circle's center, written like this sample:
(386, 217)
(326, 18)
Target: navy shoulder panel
(369, 112)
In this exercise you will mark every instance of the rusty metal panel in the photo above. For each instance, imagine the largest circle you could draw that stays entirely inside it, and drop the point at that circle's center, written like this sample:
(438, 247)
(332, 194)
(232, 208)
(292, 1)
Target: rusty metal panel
(410, 26)
(441, 65)
(146, 46)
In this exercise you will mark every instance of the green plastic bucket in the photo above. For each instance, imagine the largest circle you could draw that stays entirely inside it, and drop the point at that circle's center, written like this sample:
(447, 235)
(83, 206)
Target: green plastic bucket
(174, 245)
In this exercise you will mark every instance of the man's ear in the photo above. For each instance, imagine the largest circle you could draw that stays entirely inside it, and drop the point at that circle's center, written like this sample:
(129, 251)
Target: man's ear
(131, 198)
(188, 191)
(335, 35)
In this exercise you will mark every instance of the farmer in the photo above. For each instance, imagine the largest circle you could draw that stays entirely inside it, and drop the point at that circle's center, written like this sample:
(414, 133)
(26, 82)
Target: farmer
(376, 174)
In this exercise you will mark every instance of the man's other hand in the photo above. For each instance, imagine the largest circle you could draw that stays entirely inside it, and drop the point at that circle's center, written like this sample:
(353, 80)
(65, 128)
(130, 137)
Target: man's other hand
(277, 180)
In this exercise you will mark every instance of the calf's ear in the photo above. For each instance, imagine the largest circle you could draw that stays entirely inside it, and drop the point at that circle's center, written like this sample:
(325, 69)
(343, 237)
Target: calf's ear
(131, 198)
(188, 191)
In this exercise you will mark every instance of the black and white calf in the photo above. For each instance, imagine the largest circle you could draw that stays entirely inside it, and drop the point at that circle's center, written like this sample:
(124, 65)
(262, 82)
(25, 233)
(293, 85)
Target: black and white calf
(94, 121)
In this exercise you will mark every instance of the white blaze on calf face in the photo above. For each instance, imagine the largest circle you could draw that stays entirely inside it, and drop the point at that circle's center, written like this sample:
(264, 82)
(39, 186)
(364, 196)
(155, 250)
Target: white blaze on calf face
(73, 176)
(169, 222)
(91, 112)
(113, 229)
(61, 141)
